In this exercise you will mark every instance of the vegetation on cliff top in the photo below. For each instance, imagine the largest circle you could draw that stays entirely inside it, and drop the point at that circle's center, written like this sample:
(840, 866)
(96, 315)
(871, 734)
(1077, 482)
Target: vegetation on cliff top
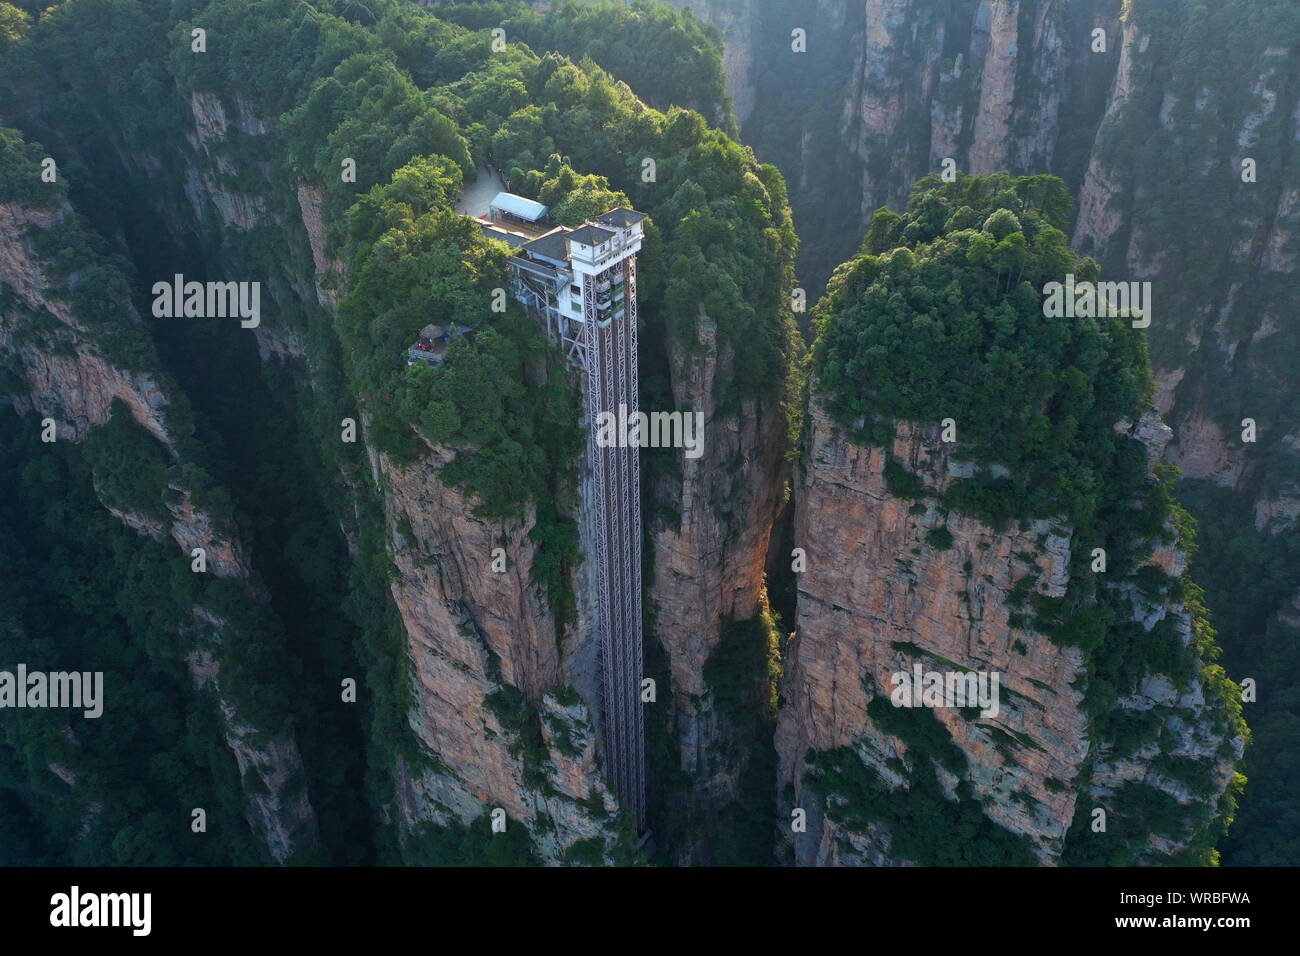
(941, 316)
(668, 57)
(415, 100)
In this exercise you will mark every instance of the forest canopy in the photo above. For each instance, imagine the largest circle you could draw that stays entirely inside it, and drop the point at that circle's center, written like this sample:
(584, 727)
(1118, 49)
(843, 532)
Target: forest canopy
(941, 316)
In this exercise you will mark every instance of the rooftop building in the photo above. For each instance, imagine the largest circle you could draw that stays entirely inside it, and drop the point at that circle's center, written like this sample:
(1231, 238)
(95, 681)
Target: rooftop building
(517, 207)
(496, 231)
(549, 273)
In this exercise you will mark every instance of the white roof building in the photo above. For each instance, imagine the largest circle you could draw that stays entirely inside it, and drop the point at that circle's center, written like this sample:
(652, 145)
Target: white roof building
(517, 206)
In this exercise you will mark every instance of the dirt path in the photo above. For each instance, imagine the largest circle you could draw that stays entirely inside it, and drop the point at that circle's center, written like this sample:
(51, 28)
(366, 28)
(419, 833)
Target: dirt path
(477, 196)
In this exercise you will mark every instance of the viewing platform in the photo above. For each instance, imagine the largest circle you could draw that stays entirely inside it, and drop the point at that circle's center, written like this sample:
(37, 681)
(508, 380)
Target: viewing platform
(431, 347)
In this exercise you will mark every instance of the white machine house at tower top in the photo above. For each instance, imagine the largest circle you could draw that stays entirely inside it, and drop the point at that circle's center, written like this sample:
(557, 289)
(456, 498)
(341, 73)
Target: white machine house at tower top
(551, 272)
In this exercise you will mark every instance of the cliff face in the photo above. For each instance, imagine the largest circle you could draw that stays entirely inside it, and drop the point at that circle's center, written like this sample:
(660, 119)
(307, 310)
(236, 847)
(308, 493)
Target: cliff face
(472, 632)
(505, 706)
(64, 373)
(1097, 219)
(880, 595)
(1218, 343)
(708, 568)
(1023, 86)
(994, 86)
(310, 200)
(474, 635)
(74, 384)
(494, 716)
(229, 138)
(737, 27)
(204, 189)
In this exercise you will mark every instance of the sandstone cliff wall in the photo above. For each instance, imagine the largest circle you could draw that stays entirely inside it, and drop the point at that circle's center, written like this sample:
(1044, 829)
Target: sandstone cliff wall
(880, 595)
(66, 376)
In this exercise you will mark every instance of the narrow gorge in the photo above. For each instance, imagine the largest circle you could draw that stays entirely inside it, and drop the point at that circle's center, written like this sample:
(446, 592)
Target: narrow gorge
(390, 652)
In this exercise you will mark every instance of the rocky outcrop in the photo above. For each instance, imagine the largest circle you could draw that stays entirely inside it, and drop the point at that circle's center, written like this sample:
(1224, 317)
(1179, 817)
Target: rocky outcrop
(889, 90)
(310, 200)
(218, 148)
(882, 88)
(66, 375)
(196, 528)
(271, 770)
(1214, 339)
(708, 567)
(494, 712)
(885, 588)
(204, 185)
(211, 122)
(78, 390)
(737, 26)
(1203, 451)
(990, 82)
(997, 87)
(1098, 219)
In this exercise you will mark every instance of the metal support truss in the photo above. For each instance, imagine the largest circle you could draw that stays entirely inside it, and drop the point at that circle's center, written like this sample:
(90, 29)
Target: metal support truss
(612, 388)
(609, 357)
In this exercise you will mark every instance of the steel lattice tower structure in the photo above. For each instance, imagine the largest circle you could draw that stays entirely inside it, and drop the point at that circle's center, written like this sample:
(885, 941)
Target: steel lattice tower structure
(588, 300)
